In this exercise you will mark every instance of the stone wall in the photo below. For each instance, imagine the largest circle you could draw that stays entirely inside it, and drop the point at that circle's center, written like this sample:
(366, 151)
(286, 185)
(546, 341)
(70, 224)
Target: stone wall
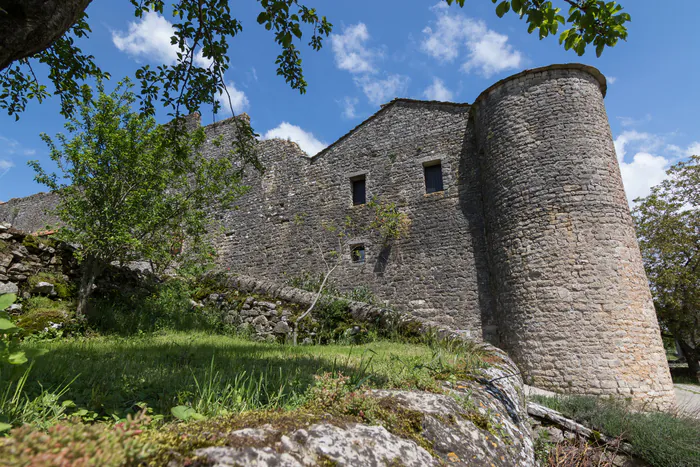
(28, 262)
(438, 272)
(30, 214)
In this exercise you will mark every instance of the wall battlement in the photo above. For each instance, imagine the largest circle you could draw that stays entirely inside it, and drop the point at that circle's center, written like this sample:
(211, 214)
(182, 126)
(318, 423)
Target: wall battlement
(530, 244)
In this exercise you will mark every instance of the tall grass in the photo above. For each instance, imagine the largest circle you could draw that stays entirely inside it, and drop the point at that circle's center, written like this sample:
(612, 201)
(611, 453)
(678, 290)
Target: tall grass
(214, 374)
(661, 439)
(42, 410)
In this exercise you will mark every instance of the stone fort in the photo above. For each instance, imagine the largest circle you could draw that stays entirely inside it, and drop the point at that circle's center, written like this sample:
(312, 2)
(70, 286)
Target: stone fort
(520, 233)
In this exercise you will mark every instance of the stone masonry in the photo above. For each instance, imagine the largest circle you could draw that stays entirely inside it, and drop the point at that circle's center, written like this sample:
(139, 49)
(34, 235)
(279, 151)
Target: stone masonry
(530, 244)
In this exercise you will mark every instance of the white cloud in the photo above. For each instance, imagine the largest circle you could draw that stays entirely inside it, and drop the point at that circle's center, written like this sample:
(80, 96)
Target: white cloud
(491, 54)
(9, 146)
(487, 52)
(651, 157)
(239, 101)
(631, 122)
(5, 166)
(379, 91)
(351, 53)
(643, 172)
(306, 140)
(149, 39)
(349, 104)
(611, 79)
(437, 91)
(9, 149)
(645, 140)
(693, 149)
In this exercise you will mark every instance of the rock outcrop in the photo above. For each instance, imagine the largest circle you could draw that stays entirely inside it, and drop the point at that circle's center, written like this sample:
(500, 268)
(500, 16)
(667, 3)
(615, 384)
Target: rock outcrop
(478, 422)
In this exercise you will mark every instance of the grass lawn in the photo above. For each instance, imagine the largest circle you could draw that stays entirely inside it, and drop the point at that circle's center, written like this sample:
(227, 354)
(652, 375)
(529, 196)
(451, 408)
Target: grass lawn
(215, 374)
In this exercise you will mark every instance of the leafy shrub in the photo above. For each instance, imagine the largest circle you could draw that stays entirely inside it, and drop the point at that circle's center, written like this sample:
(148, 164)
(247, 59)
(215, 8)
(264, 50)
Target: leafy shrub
(160, 306)
(10, 352)
(77, 444)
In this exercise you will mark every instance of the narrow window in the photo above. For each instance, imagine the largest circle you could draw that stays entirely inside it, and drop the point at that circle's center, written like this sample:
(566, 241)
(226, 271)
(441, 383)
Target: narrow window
(433, 177)
(358, 190)
(358, 254)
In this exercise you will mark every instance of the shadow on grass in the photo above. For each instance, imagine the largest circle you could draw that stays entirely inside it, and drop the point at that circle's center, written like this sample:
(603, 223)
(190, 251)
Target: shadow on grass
(114, 375)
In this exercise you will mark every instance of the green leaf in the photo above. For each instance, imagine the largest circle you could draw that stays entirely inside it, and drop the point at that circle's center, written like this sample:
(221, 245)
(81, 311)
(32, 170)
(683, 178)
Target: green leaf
(184, 412)
(5, 427)
(599, 49)
(17, 358)
(502, 8)
(263, 17)
(6, 325)
(7, 300)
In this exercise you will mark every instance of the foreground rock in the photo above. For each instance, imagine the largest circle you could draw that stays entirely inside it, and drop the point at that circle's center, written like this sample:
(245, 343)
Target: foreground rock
(479, 422)
(352, 445)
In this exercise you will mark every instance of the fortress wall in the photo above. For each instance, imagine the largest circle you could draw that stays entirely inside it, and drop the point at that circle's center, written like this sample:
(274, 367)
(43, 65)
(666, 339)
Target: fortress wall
(438, 272)
(573, 300)
(530, 245)
(31, 213)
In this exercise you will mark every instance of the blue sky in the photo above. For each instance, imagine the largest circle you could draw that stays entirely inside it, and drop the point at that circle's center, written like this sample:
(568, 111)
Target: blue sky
(421, 50)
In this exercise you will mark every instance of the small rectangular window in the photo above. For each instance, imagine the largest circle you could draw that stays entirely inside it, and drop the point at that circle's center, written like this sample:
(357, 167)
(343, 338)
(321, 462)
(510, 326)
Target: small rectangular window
(358, 254)
(358, 190)
(433, 177)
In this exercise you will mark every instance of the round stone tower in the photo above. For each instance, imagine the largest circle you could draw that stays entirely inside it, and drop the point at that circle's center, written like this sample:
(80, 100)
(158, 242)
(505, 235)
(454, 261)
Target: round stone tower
(572, 299)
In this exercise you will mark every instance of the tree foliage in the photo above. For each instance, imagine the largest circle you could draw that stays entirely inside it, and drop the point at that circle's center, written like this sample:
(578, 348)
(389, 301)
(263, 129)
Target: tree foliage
(200, 26)
(207, 26)
(668, 227)
(594, 22)
(131, 190)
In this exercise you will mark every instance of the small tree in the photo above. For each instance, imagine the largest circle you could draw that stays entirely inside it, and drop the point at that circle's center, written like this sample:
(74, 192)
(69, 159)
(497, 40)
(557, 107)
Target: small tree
(388, 223)
(668, 227)
(131, 189)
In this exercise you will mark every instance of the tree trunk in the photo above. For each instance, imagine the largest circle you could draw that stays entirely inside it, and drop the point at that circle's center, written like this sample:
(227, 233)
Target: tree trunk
(692, 355)
(91, 268)
(30, 26)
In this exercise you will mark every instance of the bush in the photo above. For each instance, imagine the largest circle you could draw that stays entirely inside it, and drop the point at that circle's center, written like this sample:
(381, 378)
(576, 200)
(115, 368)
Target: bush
(161, 306)
(660, 439)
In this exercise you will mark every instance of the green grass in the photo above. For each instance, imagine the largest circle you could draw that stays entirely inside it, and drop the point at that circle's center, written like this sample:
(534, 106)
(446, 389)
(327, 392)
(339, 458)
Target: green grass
(659, 439)
(685, 379)
(224, 374)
